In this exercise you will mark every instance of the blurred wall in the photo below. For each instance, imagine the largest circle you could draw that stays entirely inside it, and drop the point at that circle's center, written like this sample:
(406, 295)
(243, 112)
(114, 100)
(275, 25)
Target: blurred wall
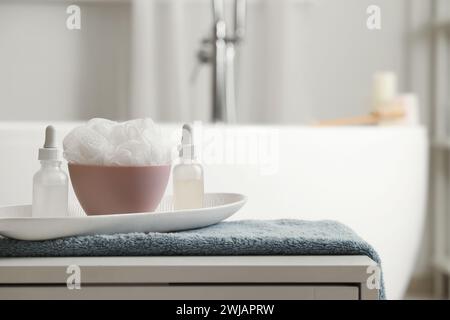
(49, 72)
(302, 60)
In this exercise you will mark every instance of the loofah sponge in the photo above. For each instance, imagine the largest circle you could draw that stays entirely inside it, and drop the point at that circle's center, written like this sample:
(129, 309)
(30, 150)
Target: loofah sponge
(104, 142)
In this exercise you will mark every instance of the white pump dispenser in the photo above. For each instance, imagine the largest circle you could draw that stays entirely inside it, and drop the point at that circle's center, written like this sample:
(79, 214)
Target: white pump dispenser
(188, 181)
(50, 183)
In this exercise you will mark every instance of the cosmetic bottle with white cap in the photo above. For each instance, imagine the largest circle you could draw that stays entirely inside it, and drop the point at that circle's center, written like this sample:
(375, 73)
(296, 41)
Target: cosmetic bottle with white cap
(188, 175)
(50, 183)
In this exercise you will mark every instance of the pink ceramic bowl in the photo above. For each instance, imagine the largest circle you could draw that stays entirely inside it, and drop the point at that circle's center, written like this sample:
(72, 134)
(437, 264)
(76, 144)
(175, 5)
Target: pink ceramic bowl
(111, 190)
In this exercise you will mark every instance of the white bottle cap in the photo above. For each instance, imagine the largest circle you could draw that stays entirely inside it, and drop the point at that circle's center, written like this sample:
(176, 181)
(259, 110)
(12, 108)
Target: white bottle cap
(49, 151)
(187, 150)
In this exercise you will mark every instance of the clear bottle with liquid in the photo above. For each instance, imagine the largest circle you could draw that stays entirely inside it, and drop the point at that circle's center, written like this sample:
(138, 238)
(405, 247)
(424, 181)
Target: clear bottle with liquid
(50, 183)
(188, 182)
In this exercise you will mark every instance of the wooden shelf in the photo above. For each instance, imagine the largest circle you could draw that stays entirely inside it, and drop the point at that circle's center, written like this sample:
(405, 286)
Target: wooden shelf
(442, 25)
(443, 144)
(443, 265)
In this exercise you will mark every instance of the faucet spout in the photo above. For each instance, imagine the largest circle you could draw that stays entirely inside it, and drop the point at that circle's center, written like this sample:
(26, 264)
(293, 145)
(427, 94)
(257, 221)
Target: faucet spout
(222, 58)
(219, 85)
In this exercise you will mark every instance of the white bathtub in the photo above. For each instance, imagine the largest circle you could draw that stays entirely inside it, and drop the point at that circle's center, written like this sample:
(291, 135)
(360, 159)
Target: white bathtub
(372, 179)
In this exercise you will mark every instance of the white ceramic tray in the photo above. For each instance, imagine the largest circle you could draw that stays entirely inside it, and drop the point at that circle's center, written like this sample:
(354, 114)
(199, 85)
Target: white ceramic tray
(16, 221)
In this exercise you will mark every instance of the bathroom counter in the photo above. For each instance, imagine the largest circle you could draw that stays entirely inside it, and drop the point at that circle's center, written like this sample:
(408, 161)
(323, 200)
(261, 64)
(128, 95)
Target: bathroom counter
(213, 277)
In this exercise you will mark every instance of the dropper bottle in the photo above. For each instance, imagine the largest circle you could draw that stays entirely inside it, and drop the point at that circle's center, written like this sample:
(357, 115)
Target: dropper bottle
(188, 181)
(50, 183)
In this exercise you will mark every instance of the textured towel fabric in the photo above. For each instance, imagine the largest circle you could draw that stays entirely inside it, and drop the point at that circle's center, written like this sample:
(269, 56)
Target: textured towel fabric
(245, 237)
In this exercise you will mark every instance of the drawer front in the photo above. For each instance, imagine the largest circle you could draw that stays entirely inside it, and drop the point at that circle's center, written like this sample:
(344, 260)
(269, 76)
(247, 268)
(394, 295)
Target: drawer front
(188, 292)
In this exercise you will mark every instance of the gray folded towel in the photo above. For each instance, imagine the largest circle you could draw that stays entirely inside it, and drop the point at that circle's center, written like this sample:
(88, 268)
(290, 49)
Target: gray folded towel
(245, 237)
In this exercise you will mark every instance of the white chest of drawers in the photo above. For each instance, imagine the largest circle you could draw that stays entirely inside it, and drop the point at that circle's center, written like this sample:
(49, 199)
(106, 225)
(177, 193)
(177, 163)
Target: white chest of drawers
(212, 277)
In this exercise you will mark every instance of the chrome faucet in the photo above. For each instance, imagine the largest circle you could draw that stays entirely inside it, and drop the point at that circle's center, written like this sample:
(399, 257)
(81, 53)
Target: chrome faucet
(220, 51)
